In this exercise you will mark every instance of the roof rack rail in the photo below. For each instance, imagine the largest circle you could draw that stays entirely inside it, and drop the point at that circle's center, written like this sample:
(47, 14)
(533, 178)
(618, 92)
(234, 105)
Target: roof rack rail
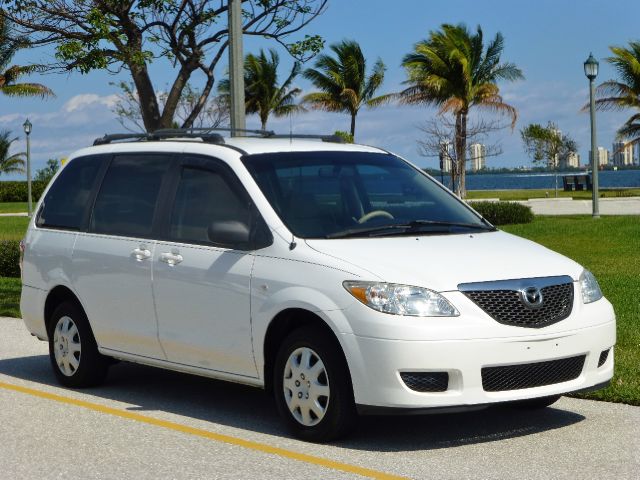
(262, 133)
(208, 135)
(324, 138)
(167, 133)
(106, 139)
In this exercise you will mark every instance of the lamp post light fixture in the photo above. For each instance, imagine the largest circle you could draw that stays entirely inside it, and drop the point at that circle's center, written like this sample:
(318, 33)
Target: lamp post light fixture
(591, 72)
(27, 130)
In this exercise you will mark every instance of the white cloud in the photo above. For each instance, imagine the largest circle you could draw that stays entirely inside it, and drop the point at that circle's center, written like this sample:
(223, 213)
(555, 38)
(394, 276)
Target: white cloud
(89, 100)
(57, 134)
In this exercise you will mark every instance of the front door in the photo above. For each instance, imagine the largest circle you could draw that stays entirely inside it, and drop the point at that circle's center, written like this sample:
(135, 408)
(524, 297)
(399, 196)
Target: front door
(202, 290)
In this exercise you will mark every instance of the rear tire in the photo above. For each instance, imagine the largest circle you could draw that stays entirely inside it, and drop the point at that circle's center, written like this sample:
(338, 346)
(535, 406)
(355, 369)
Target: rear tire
(73, 350)
(312, 386)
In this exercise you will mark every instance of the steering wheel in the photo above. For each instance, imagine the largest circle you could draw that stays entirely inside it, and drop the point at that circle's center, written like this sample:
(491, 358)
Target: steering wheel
(375, 213)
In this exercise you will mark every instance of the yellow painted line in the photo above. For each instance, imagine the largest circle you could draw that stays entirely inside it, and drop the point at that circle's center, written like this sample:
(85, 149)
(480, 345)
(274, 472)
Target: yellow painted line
(218, 437)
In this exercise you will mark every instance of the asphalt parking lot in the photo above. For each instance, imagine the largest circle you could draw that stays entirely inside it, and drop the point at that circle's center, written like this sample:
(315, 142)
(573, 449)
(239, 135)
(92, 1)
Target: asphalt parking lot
(148, 423)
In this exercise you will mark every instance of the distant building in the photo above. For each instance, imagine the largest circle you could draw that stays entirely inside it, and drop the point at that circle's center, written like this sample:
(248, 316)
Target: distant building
(478, 157)
(555, 161)
(603, 157)
(573, 160)
(622, 154)
(446, 150)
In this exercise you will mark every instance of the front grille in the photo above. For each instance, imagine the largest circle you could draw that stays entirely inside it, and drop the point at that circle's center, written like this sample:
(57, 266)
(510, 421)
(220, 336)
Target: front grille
(507, 307)
(603, 357)
(517, 377)
(426, 381)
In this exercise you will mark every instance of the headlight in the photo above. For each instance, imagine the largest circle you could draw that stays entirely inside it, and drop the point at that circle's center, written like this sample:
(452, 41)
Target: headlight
(589, 287)
(401, 299)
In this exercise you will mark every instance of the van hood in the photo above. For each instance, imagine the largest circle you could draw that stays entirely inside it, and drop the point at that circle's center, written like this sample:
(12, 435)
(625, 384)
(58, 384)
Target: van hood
(441, 262)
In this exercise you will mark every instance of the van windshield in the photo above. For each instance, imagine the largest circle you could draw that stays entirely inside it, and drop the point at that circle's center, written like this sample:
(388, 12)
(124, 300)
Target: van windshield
(357, 194)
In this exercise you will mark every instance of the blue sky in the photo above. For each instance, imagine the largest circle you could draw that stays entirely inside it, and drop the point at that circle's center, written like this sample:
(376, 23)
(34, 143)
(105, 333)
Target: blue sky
(548, 40)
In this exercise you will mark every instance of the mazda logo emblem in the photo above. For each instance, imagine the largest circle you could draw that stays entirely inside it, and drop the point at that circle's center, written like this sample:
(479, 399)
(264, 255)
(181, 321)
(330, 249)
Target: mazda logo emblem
(532, 297)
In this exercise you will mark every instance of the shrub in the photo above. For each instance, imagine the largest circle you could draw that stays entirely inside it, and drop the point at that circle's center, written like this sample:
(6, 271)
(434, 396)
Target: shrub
(9, 258)
(503, 213)
(17, 191)
(345, 136)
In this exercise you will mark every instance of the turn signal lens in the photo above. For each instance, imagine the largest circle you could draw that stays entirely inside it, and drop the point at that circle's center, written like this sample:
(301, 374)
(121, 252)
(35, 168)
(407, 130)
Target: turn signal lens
(589, 287)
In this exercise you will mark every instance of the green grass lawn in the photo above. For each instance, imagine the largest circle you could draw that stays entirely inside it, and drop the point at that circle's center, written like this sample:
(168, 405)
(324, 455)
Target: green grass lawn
(526, 194)
(10, 297)
(610, 248)
(13, 207)
(13, 228)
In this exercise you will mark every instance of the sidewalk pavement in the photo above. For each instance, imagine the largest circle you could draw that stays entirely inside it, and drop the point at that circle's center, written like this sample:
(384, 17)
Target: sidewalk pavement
(569, 206)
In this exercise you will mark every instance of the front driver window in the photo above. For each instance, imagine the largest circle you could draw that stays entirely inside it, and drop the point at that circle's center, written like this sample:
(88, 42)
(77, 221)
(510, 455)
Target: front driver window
(203, 197)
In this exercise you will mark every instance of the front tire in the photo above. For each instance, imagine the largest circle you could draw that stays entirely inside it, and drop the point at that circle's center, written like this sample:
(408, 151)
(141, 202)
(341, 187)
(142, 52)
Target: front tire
(312, 386)
(73, 350)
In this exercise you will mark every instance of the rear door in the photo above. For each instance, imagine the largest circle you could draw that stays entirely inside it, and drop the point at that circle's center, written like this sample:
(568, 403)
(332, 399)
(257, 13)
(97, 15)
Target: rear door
(201, 289)
(112, 261)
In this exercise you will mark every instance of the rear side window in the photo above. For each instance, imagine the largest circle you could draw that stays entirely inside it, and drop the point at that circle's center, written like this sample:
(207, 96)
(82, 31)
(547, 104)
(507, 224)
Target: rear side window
(203, 196)
(127, 199)
(66, 202)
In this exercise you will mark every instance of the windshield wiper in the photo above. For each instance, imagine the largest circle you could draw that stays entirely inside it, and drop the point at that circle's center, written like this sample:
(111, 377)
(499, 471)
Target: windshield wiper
(408, 228)
(416, 223)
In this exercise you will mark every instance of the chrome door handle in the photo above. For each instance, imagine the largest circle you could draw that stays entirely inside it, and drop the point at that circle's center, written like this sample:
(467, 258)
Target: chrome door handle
(141, 253)
(171, 258)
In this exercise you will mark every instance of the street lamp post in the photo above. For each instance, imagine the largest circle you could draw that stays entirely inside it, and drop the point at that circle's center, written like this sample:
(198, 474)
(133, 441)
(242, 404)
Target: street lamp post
(236, 68)
(591, 71)
(27, 130)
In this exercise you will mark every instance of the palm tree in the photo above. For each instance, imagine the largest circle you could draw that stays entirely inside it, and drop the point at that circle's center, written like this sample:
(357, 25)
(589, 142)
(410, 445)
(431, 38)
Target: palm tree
(343, 82)
(453, 71)
(625, 92)
(262, 93)
(10, 74)
(9, 163)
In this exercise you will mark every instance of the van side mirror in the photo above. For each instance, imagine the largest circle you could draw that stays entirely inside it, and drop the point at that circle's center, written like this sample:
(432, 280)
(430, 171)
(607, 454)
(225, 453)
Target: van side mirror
(229, 233)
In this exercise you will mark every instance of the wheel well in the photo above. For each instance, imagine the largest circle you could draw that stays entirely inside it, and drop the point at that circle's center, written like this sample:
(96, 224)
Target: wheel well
(57, 296)
(282, 325)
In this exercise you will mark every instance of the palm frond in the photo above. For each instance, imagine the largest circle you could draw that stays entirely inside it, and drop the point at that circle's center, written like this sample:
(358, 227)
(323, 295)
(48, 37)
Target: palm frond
(452, 70)
(323, 101)
(26, 90)
(10, 163)
(342, 80)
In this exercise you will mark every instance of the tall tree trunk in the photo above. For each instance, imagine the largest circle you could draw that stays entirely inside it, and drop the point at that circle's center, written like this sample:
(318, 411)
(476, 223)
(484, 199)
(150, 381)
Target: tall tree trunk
(202, 101)
(461, 152)
(353, 125)
(148, 101)
(173, 98)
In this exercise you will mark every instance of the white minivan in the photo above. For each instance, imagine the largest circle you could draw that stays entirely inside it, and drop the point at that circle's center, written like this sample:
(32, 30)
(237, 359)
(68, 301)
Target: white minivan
(339, 277)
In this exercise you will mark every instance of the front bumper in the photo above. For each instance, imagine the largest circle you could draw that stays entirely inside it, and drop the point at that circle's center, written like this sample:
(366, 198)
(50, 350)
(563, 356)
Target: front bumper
(375, 366)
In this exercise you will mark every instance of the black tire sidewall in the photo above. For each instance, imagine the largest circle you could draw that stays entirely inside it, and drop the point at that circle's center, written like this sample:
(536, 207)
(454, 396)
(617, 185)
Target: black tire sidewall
(93, 366)
(341, 415)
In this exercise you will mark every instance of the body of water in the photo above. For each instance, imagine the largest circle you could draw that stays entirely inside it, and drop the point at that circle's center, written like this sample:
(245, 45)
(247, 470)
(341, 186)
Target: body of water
(514, 181)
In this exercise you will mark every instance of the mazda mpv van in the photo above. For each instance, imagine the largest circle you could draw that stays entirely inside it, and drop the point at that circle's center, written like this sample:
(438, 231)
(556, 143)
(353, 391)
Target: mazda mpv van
(339, 277)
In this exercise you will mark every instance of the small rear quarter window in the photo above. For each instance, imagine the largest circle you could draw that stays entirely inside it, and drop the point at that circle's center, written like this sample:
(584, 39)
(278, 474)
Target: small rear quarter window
(66, 202)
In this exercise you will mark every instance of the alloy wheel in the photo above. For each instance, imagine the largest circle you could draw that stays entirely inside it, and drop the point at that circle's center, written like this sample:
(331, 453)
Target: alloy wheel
(306, 386)
(67, 347)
